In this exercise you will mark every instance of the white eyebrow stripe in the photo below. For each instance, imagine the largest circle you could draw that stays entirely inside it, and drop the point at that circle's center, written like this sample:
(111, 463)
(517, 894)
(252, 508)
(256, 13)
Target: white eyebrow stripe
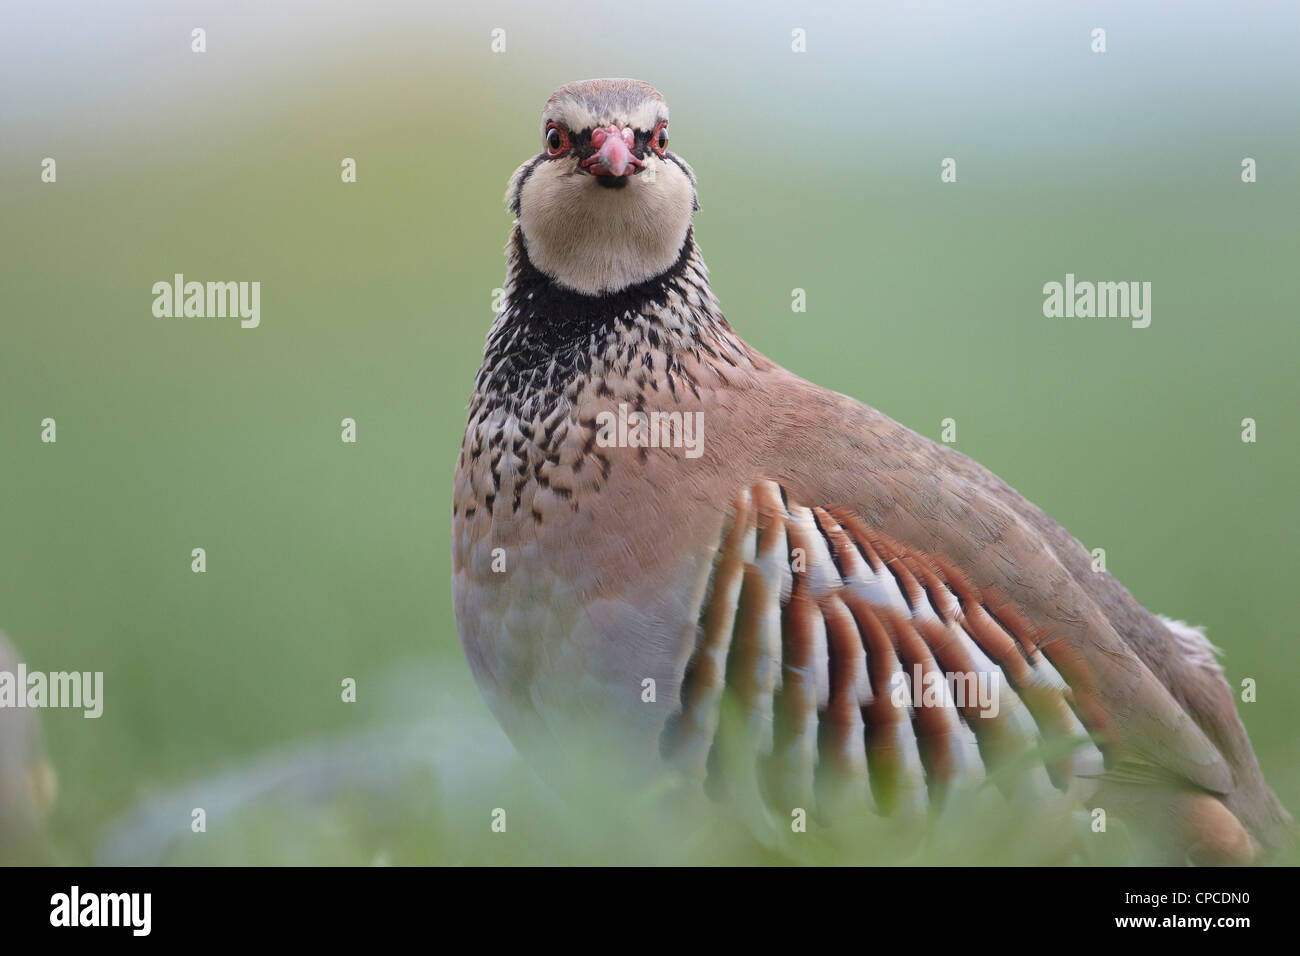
(576, 115)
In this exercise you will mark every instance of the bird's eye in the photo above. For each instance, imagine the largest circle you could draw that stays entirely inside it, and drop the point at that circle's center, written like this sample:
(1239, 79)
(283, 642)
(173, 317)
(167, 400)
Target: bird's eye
(659, 139)
(557, 141)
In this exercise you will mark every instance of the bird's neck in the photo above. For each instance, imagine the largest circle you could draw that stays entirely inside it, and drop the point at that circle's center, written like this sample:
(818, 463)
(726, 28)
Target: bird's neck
(549, 341)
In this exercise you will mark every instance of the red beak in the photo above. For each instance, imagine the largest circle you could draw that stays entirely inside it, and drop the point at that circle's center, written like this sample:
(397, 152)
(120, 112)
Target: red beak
(613, 156)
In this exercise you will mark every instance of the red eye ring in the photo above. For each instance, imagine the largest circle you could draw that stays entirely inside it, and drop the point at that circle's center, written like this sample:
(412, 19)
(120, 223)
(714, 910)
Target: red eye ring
(556, 140)
(659, 138)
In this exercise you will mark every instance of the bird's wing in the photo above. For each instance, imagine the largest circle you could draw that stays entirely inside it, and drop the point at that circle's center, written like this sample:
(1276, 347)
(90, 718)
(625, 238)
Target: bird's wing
(863, 666)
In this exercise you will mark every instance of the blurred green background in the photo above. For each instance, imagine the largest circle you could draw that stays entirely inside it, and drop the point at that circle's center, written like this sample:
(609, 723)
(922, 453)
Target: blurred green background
(817, 170)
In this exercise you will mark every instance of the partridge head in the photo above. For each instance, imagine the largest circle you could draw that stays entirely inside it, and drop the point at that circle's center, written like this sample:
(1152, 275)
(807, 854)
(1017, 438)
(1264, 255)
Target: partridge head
(664, 545)
(604, 204)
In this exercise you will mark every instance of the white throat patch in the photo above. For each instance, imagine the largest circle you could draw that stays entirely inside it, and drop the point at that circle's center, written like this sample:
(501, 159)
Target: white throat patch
(596, 240)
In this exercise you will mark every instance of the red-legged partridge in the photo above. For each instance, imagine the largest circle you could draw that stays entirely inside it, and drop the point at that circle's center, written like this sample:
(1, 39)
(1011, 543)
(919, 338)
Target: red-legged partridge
(641, 496)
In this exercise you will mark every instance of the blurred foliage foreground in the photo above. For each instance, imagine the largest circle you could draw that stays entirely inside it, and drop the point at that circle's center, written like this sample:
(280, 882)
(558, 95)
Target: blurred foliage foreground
(450, 790)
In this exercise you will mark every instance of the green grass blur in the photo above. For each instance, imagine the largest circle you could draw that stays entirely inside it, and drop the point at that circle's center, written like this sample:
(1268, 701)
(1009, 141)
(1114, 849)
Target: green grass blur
(328, 560)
